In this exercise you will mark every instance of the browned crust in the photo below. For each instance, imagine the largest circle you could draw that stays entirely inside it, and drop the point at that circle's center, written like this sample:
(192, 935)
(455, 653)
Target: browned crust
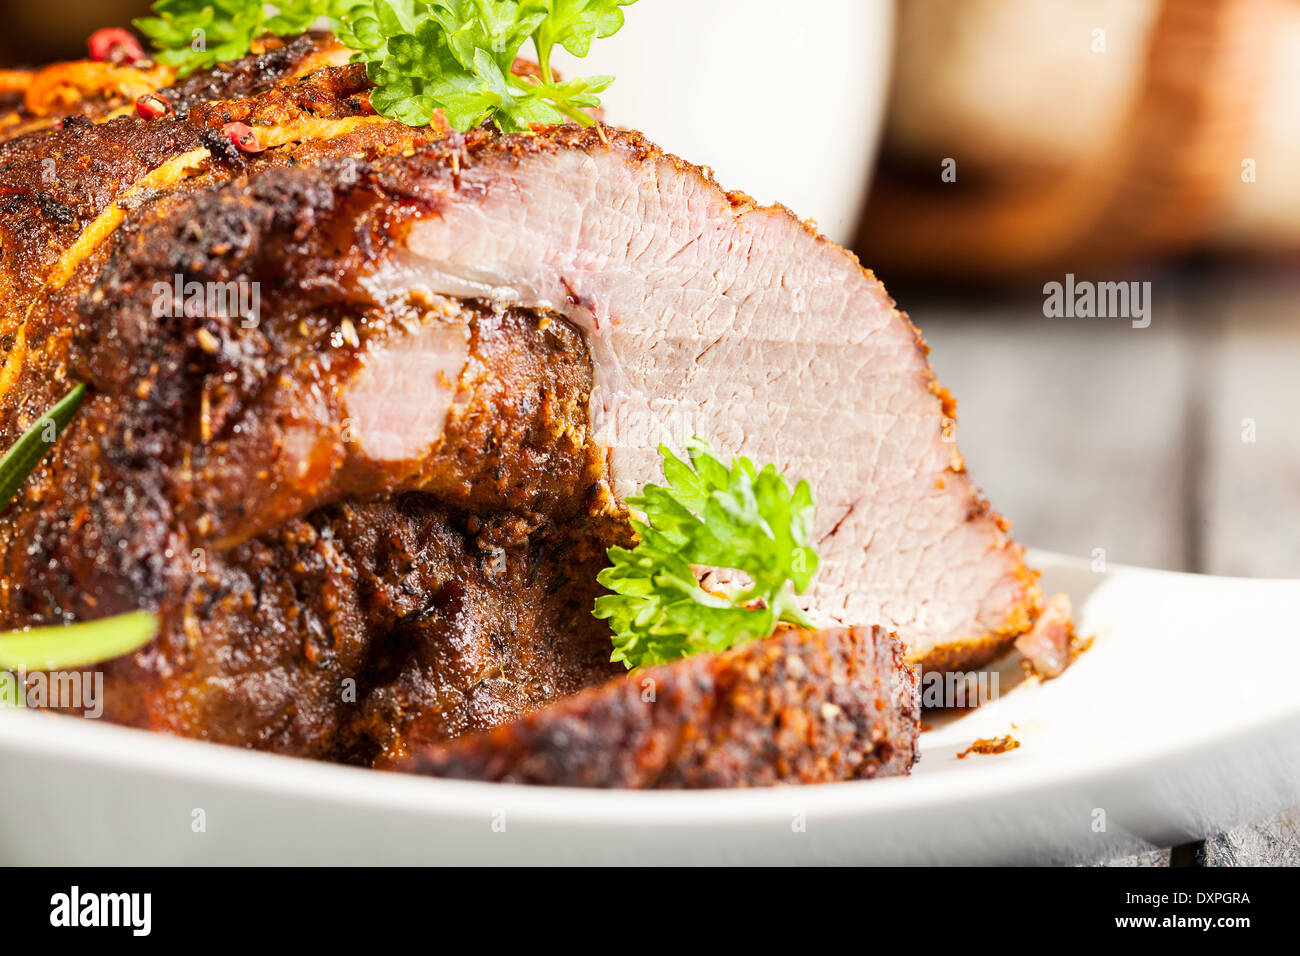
(37, 99)
(990, 745)
(60, 187)
(970, 653)
(801, 707)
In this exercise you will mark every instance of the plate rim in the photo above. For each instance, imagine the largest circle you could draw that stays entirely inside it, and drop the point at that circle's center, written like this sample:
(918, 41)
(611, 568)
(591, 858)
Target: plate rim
(127, 749)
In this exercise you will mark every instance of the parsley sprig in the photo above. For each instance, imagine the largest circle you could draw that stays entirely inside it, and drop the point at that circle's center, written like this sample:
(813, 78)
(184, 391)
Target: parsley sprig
(194, 34)
(714, 516)
(449, 55)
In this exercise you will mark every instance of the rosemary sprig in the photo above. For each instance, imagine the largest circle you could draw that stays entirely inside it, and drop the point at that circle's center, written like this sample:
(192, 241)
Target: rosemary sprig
(26, 453)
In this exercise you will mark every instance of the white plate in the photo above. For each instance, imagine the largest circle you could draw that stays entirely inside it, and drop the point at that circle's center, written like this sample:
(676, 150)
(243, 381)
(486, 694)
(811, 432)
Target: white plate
(1184, 718)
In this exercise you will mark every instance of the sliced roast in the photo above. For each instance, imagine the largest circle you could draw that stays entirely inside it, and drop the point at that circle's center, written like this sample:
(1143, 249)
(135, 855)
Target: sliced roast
(370, 515)
(709, 315)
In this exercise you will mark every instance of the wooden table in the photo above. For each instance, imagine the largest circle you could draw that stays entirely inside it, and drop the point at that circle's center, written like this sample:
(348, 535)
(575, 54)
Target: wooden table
(1176, 446)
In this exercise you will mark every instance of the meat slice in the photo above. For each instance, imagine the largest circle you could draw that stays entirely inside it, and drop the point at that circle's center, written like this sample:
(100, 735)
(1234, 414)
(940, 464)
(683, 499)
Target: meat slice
(709, 315)
(800, 707)
(1046, 646)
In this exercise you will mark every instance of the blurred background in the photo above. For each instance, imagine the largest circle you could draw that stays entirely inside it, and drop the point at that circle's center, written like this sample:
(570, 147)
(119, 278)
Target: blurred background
(974, 151)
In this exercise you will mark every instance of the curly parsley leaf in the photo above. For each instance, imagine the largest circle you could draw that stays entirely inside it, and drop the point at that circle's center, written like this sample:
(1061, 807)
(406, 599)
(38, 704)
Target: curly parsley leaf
(193, 34)
(712, 516)
(457, 56)
(573, 24)
(422, 55)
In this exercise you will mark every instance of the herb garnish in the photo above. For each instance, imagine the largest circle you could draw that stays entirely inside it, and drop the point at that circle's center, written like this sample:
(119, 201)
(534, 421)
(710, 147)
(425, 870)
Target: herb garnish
(28, 451)
(76, 645)
(194, 34)
(712, 516)
(452, 55)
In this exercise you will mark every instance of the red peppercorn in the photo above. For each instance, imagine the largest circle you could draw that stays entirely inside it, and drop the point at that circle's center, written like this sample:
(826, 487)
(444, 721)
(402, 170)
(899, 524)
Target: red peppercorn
(151, 106)
(114, 45)
(242, 135)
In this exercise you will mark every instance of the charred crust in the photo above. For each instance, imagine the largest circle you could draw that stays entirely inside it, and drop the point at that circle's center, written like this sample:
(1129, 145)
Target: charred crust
(800, 707)
(246, 76)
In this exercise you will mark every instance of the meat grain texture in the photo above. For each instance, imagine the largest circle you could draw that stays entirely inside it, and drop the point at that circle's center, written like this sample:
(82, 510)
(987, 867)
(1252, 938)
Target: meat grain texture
(369, 505)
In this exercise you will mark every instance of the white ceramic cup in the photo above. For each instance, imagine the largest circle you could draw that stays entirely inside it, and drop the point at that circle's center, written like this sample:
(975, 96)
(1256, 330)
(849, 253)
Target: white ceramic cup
(783, 100)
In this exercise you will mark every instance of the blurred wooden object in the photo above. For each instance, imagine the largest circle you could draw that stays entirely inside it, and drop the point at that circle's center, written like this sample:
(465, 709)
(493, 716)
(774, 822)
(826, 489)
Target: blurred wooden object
(1161, 174)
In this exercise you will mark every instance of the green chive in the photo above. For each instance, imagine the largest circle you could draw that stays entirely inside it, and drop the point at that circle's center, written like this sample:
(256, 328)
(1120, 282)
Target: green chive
(27, 452)
(76, 645)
